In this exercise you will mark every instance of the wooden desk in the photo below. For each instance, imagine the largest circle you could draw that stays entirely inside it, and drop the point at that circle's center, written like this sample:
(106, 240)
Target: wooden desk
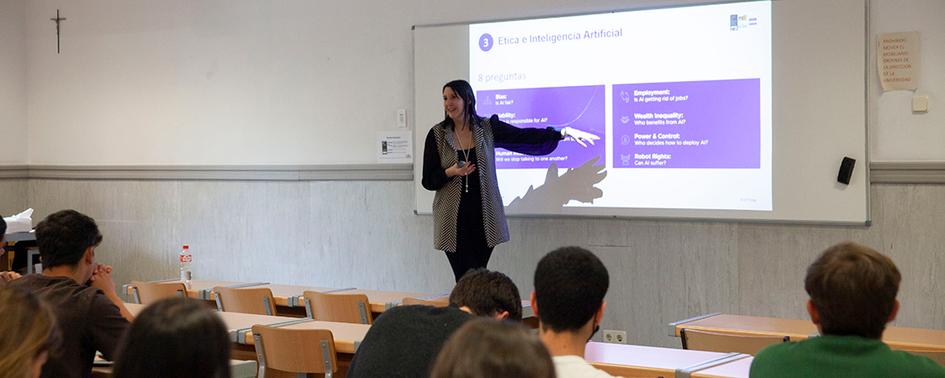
(239, 325)
(199, 289)
(895, 337)
(288, 298)
(291, 295)
(284, 295)
(382, 300)
(666, 362)
(234, 321)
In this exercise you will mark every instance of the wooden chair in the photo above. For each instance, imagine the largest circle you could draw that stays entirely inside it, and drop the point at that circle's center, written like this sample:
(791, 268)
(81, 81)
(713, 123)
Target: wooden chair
(300, 351)
(149, 292)
(347, 308)
(417, 301)
(727, 342)
(257, 301)
(935, 355)
(632, 371)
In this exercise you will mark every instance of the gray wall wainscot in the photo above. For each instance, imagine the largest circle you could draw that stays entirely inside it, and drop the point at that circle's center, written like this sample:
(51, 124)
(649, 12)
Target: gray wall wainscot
(363, 233)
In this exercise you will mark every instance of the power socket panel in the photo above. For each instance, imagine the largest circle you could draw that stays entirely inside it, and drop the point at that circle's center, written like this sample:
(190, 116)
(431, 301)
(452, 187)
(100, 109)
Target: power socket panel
(615, 336)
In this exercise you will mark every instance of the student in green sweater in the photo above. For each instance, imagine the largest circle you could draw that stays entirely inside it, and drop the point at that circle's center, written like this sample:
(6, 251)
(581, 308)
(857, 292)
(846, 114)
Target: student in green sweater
(852, 292)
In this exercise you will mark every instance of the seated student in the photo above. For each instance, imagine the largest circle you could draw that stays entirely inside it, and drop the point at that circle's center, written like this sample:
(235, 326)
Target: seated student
(29, 333)
(852, 292)
(485, 348)
(570, 284)
(175, 337)
(81, 293)
(5, 276)
(405, 339)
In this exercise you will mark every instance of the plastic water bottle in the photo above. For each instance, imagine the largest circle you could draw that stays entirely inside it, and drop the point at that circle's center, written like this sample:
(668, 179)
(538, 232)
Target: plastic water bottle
(185, 259)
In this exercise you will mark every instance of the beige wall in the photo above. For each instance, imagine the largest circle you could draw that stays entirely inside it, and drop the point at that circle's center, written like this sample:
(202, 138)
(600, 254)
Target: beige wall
(12, 83)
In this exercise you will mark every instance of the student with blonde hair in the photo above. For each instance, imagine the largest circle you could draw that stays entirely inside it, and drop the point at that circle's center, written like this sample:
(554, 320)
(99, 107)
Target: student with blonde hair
(485, 348)
(29, 333)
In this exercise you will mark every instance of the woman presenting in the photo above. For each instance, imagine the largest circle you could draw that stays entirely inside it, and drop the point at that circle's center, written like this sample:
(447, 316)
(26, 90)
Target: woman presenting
(459, 164)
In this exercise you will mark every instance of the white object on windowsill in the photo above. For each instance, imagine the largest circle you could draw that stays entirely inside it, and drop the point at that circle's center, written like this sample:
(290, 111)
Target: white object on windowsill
(22, 222)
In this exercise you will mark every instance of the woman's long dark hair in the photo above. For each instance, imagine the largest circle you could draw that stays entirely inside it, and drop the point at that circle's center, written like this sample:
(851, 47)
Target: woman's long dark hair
(465, 92)
(175, 338)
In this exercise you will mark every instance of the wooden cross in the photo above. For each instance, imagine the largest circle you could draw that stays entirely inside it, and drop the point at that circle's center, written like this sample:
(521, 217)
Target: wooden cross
(57, 20)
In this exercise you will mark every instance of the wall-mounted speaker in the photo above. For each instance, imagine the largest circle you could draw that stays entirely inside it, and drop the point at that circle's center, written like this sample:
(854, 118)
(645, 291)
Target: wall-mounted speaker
(846, 170)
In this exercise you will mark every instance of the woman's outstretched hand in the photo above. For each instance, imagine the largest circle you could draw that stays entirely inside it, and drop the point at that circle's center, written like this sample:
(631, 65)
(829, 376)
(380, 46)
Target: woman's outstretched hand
(582, 137)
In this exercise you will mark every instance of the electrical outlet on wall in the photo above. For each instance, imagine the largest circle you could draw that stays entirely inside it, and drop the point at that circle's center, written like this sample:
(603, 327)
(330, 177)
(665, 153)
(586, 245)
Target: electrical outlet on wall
(614, 336)
(402, 118)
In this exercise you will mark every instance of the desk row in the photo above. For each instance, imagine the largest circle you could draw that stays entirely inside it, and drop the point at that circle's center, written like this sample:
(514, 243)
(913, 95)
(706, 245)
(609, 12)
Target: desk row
(288, 299)
(621, 359)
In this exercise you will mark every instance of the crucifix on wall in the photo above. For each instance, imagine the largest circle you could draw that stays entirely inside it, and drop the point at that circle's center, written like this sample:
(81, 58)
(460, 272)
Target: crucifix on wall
(58, 19)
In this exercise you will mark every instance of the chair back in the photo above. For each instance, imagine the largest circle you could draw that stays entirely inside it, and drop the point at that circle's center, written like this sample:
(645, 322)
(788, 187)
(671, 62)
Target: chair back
(346, 308)
(424, 302)
(149, 292)
(300, 351)
(727, 342)
(257, 300)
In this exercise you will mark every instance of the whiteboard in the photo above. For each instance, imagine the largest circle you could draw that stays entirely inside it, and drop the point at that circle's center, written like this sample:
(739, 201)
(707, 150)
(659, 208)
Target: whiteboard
(819, 113)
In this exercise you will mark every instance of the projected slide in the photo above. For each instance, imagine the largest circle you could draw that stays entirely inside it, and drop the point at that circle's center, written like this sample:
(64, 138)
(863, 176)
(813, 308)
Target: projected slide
(681, 99)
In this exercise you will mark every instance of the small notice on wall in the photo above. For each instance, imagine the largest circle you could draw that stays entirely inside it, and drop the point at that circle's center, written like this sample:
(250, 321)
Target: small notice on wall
(394, 147)
(897, 56)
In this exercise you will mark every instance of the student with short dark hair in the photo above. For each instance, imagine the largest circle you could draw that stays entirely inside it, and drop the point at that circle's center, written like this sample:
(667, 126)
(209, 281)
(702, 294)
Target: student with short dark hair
(852, 292)
(485, 348)
(570, 285)
(81, 293)
(28, 333)
(500, 299)
(175, 338)
(404, 340)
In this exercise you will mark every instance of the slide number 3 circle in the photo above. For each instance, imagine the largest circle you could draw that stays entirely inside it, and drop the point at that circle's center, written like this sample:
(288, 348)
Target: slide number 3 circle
(485, 42)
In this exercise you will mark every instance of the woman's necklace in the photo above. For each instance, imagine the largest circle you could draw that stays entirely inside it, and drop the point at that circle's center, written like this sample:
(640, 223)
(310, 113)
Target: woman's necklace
(465, 158)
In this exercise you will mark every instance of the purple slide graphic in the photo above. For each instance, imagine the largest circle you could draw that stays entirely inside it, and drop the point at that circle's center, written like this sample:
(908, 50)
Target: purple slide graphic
(695, 124)
(579, 107)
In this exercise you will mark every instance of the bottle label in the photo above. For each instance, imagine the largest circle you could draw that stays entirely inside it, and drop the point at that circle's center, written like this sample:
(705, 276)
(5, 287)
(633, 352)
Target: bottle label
(186, 258)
